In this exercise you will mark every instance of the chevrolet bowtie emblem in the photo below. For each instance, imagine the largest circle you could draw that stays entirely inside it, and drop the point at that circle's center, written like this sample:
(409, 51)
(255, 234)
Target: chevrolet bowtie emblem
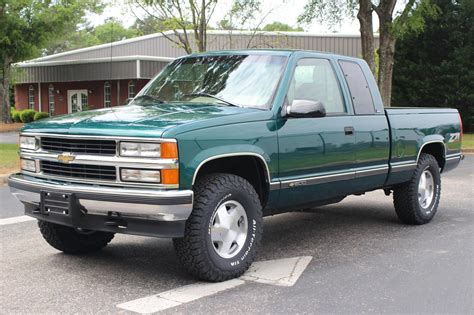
(66, 158)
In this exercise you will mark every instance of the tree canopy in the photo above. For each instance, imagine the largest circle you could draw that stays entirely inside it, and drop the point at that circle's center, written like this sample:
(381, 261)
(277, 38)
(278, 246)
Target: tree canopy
(281, 27)
(26, 26)
(435, 68)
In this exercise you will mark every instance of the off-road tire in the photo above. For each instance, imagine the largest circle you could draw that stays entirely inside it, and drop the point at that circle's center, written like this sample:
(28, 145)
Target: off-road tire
(195, 251)
(405, 196)
(72, 241)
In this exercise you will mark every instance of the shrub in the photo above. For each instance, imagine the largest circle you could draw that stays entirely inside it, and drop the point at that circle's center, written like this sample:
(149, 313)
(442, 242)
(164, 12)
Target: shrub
(41, 115)
(16, 116)
(27, 115)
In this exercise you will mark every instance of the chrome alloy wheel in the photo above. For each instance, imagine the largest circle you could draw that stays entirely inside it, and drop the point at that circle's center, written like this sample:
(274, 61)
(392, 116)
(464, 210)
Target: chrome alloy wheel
(426, 189)
(229, 229)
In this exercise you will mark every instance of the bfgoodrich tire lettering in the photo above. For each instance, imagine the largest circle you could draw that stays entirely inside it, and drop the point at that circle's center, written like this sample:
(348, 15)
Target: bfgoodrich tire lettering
(406, 196)
(196, 250)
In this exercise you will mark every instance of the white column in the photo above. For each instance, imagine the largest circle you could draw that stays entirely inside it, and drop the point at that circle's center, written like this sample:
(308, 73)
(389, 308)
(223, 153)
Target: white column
(118, 92)
(39, 96)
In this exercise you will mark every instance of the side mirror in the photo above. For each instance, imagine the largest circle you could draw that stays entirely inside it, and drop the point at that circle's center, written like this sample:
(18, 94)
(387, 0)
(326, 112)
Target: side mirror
(306, 108)
(127, 101)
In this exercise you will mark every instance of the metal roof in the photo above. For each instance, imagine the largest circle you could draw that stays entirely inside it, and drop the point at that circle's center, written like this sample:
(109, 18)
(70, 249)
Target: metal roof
(129, 58)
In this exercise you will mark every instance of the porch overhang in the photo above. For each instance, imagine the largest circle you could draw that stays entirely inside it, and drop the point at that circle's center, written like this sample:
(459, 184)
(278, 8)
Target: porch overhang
(115, 68)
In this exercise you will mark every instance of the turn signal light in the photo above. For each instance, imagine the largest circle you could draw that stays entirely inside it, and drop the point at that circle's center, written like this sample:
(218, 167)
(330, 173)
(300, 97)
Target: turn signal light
(169, 150)
(170, 176)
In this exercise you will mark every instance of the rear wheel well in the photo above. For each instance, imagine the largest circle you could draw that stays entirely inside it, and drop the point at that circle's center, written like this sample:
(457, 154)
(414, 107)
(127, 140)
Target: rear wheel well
(249, 167)
(437, 150)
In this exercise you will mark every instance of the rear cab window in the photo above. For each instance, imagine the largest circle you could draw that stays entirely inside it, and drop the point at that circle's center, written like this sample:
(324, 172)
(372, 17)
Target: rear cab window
(358, 88)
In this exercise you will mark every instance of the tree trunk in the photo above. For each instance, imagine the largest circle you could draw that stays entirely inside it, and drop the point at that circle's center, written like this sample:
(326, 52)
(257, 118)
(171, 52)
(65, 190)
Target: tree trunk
(366, 33)
(5, 94)
(386, 53)
(386, 61)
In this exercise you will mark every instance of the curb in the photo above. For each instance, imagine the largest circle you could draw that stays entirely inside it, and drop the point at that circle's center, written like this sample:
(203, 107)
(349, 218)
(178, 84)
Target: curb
(4, 179)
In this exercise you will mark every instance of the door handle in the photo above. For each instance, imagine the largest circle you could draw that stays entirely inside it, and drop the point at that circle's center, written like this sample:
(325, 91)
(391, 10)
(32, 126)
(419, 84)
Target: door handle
(349, 130)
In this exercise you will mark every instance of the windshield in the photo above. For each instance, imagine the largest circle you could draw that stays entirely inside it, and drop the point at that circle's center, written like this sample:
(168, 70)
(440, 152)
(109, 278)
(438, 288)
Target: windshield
(234, 80)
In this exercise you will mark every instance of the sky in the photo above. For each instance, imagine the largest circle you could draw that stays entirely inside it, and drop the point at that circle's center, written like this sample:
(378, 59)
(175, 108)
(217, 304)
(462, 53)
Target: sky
(285, 11)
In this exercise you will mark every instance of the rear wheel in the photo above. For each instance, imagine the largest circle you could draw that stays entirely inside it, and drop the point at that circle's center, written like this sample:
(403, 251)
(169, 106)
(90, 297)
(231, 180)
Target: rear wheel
(224, 230)
(416, 201)
(73, 241)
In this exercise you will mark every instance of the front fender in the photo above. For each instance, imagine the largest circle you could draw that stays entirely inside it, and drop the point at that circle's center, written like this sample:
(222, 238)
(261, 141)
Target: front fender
(247, 139)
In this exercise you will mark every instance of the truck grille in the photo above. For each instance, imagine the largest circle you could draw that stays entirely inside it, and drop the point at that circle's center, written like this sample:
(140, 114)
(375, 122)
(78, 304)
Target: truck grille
(97, 172)
(85, 146)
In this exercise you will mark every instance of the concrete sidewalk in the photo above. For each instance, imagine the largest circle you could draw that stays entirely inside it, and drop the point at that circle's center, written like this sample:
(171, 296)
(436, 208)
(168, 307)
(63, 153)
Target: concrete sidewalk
(9, 137)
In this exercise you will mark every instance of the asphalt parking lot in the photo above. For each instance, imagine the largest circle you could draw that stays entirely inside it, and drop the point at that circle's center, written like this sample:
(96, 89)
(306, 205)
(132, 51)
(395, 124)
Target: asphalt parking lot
(363, 261)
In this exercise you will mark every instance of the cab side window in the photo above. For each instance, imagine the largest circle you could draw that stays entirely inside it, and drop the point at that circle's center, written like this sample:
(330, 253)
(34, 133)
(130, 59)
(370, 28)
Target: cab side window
(314, 79)
(358, 87)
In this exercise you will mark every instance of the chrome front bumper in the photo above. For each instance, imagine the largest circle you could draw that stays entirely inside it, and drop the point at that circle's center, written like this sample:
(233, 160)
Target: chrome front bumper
(127, 202)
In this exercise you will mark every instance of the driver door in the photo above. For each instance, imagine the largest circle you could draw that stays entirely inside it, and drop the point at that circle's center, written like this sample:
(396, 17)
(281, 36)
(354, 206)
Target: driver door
(315, 154)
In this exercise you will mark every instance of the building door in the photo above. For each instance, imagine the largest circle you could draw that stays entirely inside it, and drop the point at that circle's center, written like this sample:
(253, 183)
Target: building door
(77, 100)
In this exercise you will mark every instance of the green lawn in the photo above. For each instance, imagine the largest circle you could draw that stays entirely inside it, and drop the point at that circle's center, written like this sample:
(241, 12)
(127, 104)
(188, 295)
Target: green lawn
(468, 141)
(9, 161)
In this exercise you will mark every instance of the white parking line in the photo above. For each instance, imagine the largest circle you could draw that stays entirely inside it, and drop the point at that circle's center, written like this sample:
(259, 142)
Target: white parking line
(175, 297)
(13, 220)
(279, 272)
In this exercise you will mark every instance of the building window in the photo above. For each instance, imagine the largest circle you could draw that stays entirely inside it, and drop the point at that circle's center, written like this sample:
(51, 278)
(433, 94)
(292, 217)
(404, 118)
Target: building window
(31, 97)
(51, 99)
(107, 94)
(131, 89)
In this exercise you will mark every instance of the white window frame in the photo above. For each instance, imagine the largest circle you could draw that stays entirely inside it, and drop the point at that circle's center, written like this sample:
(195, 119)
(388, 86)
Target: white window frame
(107, 95)
(31, 97)
(131, 89)
(51, 100)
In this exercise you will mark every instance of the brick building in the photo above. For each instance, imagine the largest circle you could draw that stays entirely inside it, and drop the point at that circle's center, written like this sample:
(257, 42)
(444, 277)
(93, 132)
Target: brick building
(107, 75)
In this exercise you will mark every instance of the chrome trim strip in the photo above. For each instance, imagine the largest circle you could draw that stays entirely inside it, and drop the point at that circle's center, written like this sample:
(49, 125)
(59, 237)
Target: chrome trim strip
(453, 156)
(116, 161)
(371, 171)
(317, 179)
(275, 186)
(117, 138)
(403, 167)
(352, 174)
(214, 157)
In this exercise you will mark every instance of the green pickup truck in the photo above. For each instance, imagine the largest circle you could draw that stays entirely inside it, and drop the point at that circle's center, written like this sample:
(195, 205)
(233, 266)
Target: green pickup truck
(217, 141)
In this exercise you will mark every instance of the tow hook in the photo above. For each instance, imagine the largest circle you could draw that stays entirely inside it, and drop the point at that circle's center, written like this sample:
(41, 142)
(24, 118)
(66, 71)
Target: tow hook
(114, 219)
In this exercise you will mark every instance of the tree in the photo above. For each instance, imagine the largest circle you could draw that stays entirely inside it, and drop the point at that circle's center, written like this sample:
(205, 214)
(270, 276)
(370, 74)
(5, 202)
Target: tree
(188, 16)
(435, 68)
(281, 27)
(110, 31)
(392, 26)
(26, 26)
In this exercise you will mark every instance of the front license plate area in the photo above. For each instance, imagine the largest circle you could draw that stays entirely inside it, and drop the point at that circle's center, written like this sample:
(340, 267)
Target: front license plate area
(57, 203)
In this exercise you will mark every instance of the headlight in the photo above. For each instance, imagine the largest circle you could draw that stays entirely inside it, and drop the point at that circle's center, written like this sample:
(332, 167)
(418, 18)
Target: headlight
(139, 149)
(136, 175)
(28, 165)
(28, 143)
(149, 150)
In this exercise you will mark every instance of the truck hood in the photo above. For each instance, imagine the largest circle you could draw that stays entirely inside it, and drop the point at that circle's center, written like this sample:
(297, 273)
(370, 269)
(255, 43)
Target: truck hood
(134, 120)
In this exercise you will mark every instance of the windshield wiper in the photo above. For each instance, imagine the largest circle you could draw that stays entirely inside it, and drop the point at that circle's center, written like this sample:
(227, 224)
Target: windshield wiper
(148, 97)
(214, 97)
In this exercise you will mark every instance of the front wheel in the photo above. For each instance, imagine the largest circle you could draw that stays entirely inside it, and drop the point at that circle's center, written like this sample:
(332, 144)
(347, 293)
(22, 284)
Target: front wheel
(416, 201)
(224, 230)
